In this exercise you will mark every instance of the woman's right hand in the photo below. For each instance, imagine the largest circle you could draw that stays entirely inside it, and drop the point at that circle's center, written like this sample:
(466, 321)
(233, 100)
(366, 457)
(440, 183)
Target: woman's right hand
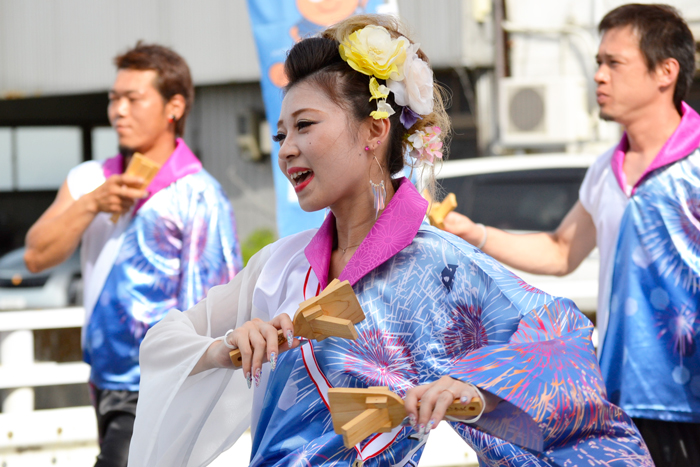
(257, 342)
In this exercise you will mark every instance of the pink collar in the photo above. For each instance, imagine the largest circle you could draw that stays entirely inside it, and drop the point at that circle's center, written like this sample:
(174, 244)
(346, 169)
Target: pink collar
(395, 229)
(682, 143)
(181, 162)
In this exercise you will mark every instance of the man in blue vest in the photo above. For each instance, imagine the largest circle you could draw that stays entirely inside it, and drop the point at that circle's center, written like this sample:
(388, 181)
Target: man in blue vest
(640, 204)
(170, 244)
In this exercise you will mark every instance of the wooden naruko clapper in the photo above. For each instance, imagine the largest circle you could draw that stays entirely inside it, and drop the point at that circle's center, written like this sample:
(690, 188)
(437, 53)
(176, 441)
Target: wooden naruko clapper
(360, 412)
(333, 313)
(140, 166)
(438, 211)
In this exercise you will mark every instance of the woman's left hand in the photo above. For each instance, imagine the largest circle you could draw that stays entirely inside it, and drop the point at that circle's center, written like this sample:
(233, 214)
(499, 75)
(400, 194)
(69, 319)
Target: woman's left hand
(436, 397)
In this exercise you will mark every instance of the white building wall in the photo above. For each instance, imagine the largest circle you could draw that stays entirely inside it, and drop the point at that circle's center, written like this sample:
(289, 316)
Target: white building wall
(560, 38)
(50, 47)
(66, 47)
(549, 40)
(448, 31)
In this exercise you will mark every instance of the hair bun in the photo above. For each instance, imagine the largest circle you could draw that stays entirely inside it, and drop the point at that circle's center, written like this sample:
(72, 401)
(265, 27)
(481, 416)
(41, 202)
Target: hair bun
(309, 56)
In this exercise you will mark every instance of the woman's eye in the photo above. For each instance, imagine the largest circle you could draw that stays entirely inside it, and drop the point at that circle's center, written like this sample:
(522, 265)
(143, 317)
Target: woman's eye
(303, 124)
(278, 138)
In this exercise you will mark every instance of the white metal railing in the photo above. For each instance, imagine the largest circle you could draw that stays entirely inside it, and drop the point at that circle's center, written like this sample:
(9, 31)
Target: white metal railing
(64, 436)
(18, 370)
(68, 436)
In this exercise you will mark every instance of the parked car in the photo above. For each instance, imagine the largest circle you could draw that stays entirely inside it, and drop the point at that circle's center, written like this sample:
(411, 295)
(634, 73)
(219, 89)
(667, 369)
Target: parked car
(523, 194)
(56, 287)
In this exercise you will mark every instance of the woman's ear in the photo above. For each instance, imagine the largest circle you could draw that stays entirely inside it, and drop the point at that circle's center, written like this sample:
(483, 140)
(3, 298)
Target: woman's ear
(378, 132)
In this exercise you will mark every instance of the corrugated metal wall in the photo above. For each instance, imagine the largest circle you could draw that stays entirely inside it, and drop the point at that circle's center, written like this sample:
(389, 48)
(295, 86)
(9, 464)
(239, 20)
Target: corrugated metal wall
(62, 47)
(212, 132)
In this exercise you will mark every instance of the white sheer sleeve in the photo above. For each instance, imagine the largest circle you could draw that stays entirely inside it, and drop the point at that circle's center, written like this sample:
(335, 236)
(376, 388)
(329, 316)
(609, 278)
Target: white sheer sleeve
(181, 419)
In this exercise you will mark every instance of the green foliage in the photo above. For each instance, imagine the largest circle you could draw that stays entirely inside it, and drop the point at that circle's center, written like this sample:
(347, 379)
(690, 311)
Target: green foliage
(255, 242)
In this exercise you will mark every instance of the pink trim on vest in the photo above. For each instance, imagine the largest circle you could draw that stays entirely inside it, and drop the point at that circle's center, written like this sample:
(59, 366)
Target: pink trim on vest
(113, 166)
(393, 231)
(181, 162)
(682, 143)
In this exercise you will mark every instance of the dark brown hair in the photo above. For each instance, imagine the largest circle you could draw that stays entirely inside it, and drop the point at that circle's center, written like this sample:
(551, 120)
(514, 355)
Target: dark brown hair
(318, 60)
(172, 70)
(662, 34)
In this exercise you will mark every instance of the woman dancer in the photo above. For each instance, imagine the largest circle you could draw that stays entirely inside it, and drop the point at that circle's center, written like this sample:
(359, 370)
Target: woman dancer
(441, 317)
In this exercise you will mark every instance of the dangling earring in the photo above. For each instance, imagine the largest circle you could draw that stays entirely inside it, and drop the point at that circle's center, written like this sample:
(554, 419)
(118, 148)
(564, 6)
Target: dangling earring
(379, 192)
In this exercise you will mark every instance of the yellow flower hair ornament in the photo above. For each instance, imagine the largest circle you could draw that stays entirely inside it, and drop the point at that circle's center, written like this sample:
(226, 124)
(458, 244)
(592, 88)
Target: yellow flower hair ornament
(384, 110)
(373, 52)
(378, 91)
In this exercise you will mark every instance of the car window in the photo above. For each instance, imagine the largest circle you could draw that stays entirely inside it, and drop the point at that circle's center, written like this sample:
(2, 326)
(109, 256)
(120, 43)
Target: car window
(519, 200)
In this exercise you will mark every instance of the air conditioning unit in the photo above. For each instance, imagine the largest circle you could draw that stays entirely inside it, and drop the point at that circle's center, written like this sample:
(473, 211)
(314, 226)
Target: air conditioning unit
(543, 111)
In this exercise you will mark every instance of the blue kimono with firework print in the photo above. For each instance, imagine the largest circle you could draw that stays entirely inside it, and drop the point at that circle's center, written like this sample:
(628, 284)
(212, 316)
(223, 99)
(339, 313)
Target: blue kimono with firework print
(165, 254)
(437, 306)
(649, 356)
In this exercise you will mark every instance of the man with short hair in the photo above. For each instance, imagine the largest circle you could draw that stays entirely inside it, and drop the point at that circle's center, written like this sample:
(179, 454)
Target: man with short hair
(640, 204)
(172, 241)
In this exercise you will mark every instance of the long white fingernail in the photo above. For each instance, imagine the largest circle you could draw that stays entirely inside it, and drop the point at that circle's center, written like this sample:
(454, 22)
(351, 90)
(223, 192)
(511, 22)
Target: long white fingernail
(464, 399)
(273, 360)
(248, 379)
(290, 338)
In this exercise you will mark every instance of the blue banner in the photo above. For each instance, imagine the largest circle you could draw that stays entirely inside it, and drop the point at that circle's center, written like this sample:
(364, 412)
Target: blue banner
(277, 26)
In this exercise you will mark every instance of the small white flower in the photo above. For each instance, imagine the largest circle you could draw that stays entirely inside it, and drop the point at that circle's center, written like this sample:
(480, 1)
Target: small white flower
(416, 140)
(382, 106)
(384, 110)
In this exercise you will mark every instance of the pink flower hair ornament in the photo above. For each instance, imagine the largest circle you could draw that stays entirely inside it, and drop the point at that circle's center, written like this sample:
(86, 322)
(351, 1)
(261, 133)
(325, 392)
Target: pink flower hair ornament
(425, 146)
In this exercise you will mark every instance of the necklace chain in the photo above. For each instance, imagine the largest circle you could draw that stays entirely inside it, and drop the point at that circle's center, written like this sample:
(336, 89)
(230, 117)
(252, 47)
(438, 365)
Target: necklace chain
(348, 247)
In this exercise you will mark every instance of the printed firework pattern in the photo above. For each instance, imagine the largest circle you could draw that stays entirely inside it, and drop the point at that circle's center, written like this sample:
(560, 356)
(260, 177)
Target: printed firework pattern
(549, 377)
(181, 243)
(534, 348)
(654, 305)
(667, 217)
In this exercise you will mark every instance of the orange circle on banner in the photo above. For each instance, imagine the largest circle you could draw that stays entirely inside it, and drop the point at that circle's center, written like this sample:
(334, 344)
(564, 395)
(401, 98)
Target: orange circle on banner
(326, 12)
(277, 75)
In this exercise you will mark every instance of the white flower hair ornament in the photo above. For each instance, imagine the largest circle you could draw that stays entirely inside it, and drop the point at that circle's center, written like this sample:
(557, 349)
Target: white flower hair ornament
(373, 52)
(415, 90)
